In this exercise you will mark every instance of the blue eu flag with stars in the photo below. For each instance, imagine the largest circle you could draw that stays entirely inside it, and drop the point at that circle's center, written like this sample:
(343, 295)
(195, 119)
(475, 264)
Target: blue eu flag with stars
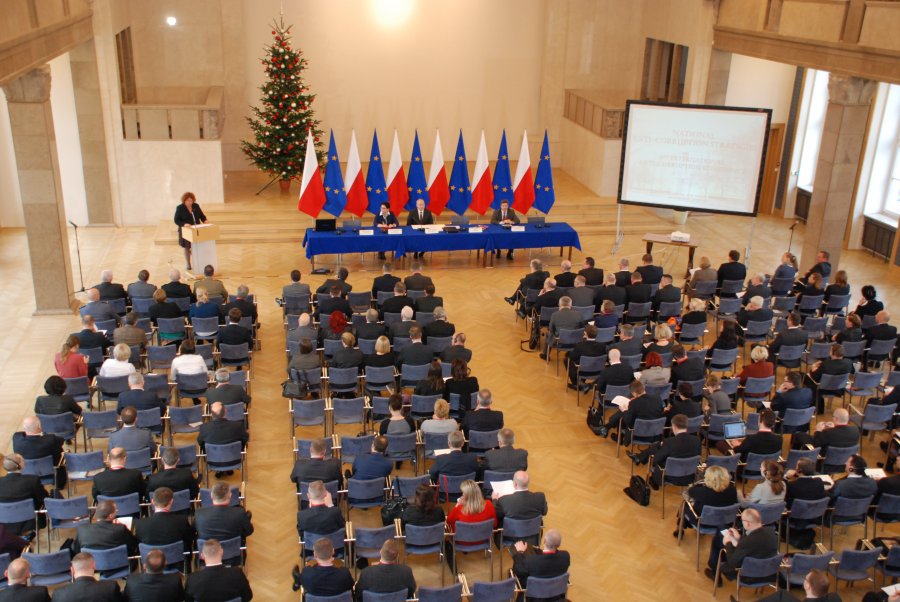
(335, 196)
(460, 189)
(375, 185)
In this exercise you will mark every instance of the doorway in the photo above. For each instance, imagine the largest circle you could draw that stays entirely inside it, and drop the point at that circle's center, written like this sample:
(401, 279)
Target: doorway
(771, 168)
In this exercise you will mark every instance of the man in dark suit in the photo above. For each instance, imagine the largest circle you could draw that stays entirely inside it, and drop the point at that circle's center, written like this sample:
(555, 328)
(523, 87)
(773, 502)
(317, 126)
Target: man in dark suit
(386, 576)
(506, 458)
(416, 353)
(685, 368)
(548, 297)
(18, 487)
(802, 484)
(371, 329)
(666, 293)
(89, 338)
(457, 349)
(117, 480)
(141, 288)
(593, 276)
(642, 405)
(100, 310)
(793, 335)
(534, 280)
(322, 517)
(612, 291)
(234, 333)
(504, 216)
(416, 281)
(131, 437)
(733, 269)
(137, 398)
(242, 302)
(638, 291)
(375, 464)
(84, 586)
(837, 432)
(108, 289)
(763, 441)
(334, 302)
(129, 333)
(650, 274)
(32, 443)
(680, 445)
(587, 347)
(756, 288)
(550, 561)
(566, 278)
(175, 289)
(18, 573)
(296, 288)
(791, 394)
(401, 329)
(216, 582)
(881, 331)
(581, 295)
(629, 344)
(565, 318)
(172, 476)
(317, 467)
(384, 283)
(754, 312)
(153, 584)
(222, 520)
(323, 578)
(821, 267)
(439, 327)
(340, 282)
(455, 463)
(483, 418)
(220, 431)
(429, 302)
(835, 364)
(420, 216)
(856, 484)
(757, 541)
(162, 527)
(105, 532)
(348, 356)
(225, 392)
(395, 304)
(623, 275)
(521, 504)
(616, 373)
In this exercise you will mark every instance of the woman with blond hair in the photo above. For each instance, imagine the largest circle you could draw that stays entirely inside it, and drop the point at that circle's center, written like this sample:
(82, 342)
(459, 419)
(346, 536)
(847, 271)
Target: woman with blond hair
(715, 490)
(662, 341)
(69, 363)
(441, 421)
(383, 356)
(203, 308)
(696, 312)
(119, 364)
(760, 368)
(471, 507)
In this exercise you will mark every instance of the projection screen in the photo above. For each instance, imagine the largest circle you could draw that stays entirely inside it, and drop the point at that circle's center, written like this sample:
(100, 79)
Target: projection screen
(693, 157)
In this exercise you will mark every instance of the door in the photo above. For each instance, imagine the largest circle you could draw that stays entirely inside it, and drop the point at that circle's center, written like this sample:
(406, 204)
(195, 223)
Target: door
(771, 168)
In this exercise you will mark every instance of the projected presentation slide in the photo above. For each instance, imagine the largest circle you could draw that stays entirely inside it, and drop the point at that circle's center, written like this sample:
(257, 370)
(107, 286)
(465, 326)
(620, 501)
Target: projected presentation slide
(693, 158)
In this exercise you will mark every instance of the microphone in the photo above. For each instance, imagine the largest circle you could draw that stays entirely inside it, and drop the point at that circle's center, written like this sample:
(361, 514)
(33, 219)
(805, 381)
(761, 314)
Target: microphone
(794, 225)
(72, 223)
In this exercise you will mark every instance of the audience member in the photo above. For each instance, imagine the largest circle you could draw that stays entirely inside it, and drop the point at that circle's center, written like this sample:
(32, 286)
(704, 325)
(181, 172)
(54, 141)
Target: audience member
(56, 401)
(222, 520)
(17, 486)
(153, 583)
(216, 582)
(69, 363)
(506, 458)
(117, 480)
(84, 586)
(141, 288)
(388, 575)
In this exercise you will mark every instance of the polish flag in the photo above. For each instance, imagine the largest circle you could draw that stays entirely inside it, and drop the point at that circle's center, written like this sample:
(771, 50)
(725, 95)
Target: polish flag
(438, 189)
(312, 192)
(523, 184)
(482, 190)
(354, 183)
(398, 194)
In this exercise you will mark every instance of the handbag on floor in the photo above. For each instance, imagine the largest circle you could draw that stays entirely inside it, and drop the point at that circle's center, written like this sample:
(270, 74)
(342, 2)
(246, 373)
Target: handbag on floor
(638, 490)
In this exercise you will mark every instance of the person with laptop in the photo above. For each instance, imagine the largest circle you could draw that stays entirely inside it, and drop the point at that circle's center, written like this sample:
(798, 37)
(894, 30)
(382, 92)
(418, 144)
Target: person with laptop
(764, 441)
(385, 220)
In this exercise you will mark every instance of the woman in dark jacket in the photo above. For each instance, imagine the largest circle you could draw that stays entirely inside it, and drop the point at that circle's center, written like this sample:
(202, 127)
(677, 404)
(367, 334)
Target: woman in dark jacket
(715, 490)
(383, 356)
(839, 287)
(433, 384)
(56, 401)
(424, 511)
(463, 383)
(188, 213)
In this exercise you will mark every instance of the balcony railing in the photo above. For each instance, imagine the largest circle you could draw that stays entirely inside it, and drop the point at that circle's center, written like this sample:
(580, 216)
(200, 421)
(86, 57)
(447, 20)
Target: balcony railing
(188, 120)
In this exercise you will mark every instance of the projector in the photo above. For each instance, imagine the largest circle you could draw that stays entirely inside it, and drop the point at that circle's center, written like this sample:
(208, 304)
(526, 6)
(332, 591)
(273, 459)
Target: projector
(677, 236)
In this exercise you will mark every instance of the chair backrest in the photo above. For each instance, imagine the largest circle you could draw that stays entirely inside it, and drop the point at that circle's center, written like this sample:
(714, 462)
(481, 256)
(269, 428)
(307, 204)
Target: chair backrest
(406, 486)
(639, 310)
(330, 346)
(809, 509)
(856, 562)
(308, 412)
(109, 559)
(372, 539)
(790, 352)
(348, 411)
(231, 548)
(606, 335)
(754, 461)
(648, 429)
(410, 373)
(49, 569)
(421, 536)
(728, 305)
(888, 505)
(359, 490)
(496, 591)
(668, 309)
(809, 303)
(16, 512)
(78, 387)
(206, 497)
(343, 377)
(876, 414)
(801, 564)
(423, 405)
(718, 516)
(759, 568)
(379, 376)
(354, 446)
(171, 325)
(847, 509)
(838, 456)
(481, 440)
(770, 514)
(451, 593)
(112, 385)
(632, 360)
(661, 391)
(864, 383)
(344, 597)
(550, 587)
(58, 424)
(853, 349)
(224, 453)
(833, 382)
(759, 385)
(233, 353)
(521, 528)
(475, 532)
(172, 552)
(757, 329)
(681, 467)
(302, 447)
(402, 445)
(692, 332)
(336, 538)
(795, 455)
(125, 504)
(704, 288)
(438, 344)
(798, 417)
(398, 596)
(68, 508)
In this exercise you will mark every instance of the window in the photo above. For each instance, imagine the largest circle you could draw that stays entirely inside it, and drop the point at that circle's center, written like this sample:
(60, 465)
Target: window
(665, 68)
(882, 196)
(815, 97)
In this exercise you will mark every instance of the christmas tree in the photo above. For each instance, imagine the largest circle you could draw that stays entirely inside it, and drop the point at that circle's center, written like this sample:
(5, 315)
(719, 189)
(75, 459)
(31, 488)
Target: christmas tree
(280, 126)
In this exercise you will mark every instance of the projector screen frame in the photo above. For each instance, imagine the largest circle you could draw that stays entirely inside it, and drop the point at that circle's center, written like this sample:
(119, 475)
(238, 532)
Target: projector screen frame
(762, 161)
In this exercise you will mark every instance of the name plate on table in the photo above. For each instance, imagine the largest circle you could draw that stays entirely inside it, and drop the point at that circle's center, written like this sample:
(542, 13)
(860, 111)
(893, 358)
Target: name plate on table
(395, 231)
(475, 230)
(367, 232)
(518, 228)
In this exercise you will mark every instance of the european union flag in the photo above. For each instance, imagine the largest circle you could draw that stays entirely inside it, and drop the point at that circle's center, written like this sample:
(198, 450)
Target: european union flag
(460, 189)
(544, 195)
(375, 185)
(416, 183)
(502, 182)
(335, 196)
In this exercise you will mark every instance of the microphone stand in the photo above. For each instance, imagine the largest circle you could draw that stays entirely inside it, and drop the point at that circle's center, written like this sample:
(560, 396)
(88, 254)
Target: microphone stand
(791, 240)
(78, 252)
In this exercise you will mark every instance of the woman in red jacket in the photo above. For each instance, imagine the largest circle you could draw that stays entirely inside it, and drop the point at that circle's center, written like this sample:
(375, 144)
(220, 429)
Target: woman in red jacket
(470, 508)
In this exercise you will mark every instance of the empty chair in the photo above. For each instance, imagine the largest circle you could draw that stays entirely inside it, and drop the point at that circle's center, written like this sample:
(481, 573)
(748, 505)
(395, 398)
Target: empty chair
(380, 378)
(348, 411)
(847, 512)
(692, 334)
(78, 389)
(854, 565)
(98, 425)
(235, 355)
(755, 573)
(494, 591)
(228, 456)
(423, 540)
(307, 412)
(160, 357)
(109, 387)
(184, 420)
(190, 385)
(451, 593)
(343, 380)
(481, 441)
(473, 537)
(412, 374)
(549, 587)
(886, 511)
(875, 417)
(354, 446)
(364, 493)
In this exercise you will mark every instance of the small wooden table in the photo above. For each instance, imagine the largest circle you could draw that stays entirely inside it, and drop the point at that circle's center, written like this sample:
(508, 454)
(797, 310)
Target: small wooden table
(664, 239)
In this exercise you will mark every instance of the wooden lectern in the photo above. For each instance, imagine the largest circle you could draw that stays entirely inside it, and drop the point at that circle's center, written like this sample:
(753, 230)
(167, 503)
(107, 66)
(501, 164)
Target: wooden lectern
(203, 244)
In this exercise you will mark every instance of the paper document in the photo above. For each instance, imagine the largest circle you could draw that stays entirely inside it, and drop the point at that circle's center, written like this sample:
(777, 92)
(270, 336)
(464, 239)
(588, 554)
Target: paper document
(891, 589)
(124, 520)
(84, 474)
(502, 488)
(875, 473)
(824, 477)
(441, 452)
(622, 402)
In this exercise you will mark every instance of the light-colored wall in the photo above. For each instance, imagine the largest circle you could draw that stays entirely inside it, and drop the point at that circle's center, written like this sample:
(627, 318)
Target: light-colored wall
(68, 147)
(763, 84)
(10, 198)
(154, 175)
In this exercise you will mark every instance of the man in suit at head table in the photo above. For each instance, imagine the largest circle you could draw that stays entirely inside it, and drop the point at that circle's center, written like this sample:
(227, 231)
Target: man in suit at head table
(505, 216)
(420, 216)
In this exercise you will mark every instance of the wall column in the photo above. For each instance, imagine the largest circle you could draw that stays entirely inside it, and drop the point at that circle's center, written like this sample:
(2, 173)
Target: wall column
(34, 139)
(839, 155)
(91, 134)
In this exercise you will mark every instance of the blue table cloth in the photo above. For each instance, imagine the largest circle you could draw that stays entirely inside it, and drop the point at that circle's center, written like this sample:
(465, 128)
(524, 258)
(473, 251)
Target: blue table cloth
(416, 241)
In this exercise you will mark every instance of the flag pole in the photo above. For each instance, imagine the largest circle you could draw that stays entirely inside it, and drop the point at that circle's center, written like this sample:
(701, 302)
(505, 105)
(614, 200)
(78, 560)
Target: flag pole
(619, 234)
